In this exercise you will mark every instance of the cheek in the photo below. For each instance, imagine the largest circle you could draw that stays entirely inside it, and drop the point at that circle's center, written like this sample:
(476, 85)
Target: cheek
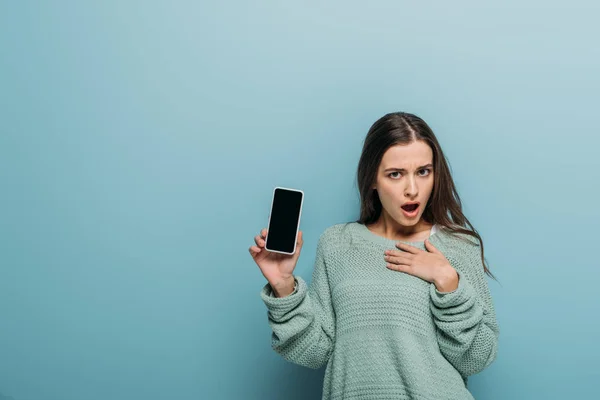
(389, 198)
(387, 191)
(384, 194)
(429, 186)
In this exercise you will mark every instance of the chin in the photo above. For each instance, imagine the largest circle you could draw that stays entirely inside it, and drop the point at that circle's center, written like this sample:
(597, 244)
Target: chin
(412, 221)
(408, 222)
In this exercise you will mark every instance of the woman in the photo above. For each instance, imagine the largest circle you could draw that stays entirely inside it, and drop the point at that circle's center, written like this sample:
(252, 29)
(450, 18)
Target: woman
(398, 306)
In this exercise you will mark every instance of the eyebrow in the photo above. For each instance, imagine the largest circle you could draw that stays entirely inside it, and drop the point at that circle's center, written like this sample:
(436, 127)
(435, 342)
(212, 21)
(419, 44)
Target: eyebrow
(402, 169)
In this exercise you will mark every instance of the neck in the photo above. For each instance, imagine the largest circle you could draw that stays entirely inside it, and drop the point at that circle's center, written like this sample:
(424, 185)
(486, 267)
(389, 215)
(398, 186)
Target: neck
(391, 229)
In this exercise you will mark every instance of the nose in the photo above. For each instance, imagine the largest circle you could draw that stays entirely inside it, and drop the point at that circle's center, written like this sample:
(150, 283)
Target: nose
(411, 188)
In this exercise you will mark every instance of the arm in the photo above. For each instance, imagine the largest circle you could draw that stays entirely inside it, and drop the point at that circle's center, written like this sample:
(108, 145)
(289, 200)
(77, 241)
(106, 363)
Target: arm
(303, 322)
(466, 321)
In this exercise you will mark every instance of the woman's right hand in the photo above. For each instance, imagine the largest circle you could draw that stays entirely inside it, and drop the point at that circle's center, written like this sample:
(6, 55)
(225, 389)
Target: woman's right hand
(277, 268)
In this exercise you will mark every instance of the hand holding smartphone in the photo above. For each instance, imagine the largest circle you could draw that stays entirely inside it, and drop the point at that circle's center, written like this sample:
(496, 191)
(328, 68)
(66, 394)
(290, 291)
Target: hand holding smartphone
(284, 220)
(278, 246)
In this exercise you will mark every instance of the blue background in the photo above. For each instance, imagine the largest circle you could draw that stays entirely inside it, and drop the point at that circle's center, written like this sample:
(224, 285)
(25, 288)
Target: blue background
(140, 143)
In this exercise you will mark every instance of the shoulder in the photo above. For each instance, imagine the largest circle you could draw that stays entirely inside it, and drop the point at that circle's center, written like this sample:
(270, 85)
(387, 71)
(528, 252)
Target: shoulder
(457, 239)
(336, 235)
(460, 245)
(464, 252)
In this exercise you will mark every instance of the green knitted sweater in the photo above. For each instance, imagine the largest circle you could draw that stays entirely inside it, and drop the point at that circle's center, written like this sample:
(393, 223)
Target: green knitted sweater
(386, 334)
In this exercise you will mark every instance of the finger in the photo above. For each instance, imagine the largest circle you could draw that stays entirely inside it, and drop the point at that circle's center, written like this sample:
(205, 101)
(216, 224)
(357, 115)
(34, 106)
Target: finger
(263, 232)
(259, 241)
(254, 250)
(399, 267)
(398, 259)
(299, 243)
(431, 247)
(399, 253)
(407, 247)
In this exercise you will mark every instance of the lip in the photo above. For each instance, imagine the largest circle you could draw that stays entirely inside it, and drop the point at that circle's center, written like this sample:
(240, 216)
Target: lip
(410, 202)
(411, 214)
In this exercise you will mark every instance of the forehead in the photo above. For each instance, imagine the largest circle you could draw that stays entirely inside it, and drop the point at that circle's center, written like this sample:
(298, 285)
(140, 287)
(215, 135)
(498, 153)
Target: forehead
(407, 156)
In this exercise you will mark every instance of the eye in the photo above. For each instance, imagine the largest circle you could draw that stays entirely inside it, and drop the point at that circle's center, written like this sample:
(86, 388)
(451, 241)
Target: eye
(428, 170)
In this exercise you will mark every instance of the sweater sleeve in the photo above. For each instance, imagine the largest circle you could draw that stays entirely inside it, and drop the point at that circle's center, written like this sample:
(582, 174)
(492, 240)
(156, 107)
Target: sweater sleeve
(303, 323)
(466, 321)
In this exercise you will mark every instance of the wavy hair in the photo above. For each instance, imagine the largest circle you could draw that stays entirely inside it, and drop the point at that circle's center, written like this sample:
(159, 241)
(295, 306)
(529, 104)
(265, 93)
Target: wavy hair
(444, 206)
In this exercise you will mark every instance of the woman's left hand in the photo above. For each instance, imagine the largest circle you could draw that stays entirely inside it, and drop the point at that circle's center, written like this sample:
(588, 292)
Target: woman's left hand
(431, 265)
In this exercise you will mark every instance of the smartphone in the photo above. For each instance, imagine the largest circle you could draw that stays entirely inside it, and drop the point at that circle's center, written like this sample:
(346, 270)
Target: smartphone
(284, 220)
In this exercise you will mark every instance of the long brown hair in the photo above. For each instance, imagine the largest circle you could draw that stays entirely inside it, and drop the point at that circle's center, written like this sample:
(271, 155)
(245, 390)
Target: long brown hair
(444, 207)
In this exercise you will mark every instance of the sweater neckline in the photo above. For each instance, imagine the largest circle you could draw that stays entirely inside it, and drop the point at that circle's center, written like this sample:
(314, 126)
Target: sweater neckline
(367, 234)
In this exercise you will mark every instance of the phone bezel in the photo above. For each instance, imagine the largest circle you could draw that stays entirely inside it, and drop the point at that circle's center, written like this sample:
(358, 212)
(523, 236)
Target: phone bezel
(297, 226)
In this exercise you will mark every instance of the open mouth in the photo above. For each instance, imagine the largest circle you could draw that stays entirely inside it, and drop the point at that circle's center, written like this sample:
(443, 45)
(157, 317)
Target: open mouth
(410, 207)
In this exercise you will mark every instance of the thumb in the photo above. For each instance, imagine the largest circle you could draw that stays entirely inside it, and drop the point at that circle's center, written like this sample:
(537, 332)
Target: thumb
(431, 247)
(299, 241)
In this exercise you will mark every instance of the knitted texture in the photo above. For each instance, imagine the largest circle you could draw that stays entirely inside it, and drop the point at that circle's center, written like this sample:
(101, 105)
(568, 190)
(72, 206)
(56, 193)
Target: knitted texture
(385, 334)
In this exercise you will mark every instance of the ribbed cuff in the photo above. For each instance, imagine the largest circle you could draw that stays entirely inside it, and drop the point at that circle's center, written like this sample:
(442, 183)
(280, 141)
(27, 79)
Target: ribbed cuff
(278, 306)
(460, 295)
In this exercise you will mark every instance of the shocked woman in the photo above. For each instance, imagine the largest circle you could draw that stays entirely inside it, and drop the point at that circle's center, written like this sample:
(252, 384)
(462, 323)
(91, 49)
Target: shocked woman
(398, 306)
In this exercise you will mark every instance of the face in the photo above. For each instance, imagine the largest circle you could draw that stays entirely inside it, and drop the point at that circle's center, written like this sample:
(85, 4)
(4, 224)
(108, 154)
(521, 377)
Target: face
(405, 174)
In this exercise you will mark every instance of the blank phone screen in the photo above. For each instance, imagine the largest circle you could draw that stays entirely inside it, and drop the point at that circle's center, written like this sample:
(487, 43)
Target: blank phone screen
(284, 220)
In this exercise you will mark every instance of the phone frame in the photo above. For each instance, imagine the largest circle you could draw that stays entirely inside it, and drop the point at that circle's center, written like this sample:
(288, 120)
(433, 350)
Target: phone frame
(271, 213)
